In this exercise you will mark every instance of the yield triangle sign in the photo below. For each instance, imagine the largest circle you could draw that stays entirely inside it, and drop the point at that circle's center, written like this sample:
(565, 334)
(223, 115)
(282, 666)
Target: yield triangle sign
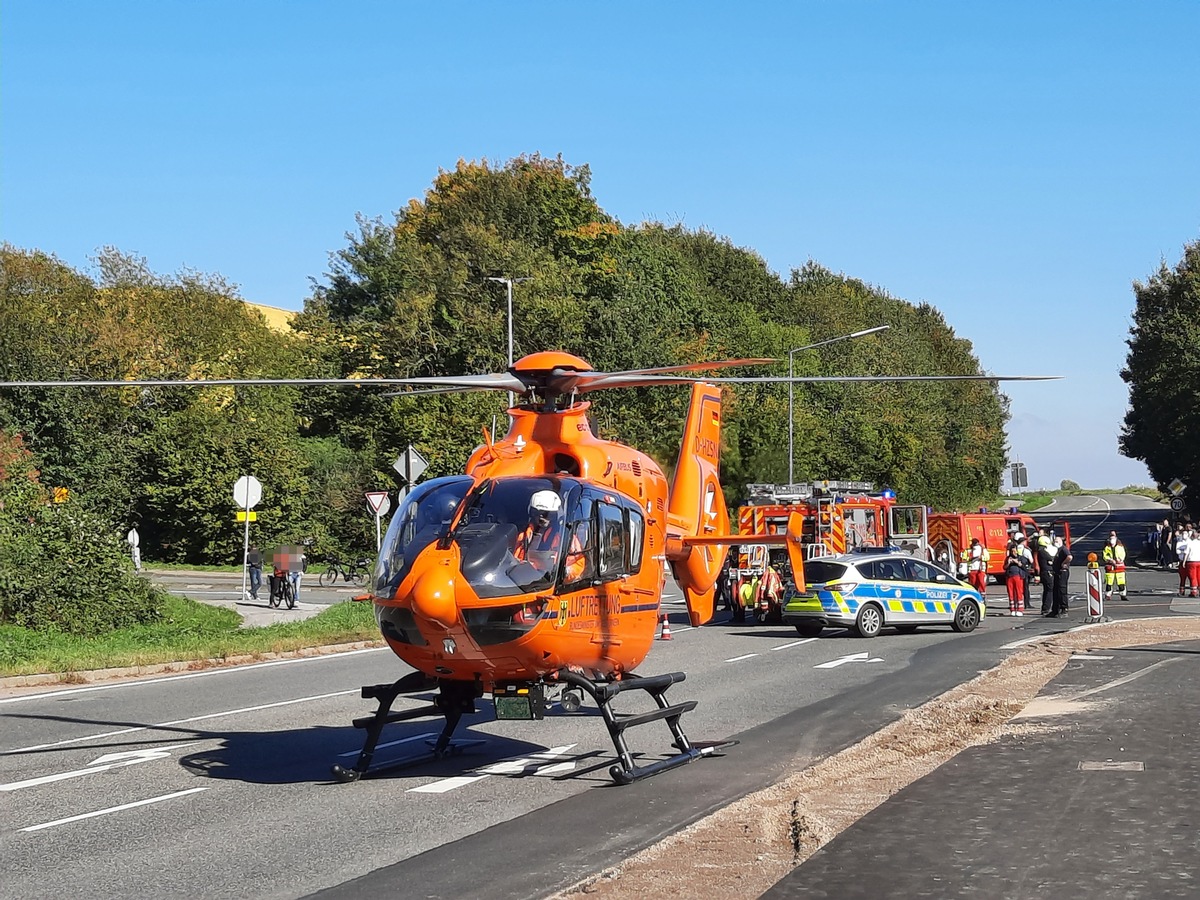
(377, 500)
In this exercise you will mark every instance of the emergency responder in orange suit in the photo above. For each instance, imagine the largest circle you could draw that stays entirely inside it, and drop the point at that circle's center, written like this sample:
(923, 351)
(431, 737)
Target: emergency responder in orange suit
(977, 560)
(1114, 566)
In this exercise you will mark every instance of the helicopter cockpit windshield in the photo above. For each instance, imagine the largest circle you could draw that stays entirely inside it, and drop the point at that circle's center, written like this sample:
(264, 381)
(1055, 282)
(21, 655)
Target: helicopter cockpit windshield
(422, 518)
(511, 534)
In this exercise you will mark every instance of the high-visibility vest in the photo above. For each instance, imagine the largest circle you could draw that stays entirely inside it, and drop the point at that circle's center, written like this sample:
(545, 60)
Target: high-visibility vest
(1114, 557)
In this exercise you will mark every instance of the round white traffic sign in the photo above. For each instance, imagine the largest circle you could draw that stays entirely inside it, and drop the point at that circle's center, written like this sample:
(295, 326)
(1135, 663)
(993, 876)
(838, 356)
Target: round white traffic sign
(1177, 504)
(247, 492)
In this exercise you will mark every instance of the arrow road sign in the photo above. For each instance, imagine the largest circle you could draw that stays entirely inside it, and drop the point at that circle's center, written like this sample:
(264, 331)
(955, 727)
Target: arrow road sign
(854, 657)
(411, 465)
(103, 764)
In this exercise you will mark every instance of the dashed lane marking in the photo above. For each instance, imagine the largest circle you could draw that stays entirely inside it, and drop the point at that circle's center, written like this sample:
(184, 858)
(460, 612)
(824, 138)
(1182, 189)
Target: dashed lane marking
(187, 721)
(794, 644)
(740, 658)
(46, 695)
(113, 809)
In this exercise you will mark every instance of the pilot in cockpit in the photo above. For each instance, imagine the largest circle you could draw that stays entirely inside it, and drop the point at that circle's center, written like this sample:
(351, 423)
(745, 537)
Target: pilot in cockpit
(539, 541)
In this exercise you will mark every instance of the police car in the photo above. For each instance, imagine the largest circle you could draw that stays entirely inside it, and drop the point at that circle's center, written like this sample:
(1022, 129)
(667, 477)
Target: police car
(869, 591)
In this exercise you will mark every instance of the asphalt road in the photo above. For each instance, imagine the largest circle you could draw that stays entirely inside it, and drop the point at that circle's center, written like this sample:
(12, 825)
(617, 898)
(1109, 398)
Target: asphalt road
(216, 783)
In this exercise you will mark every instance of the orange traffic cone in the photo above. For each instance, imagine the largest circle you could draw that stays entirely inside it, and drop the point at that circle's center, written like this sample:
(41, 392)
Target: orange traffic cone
(666, 628)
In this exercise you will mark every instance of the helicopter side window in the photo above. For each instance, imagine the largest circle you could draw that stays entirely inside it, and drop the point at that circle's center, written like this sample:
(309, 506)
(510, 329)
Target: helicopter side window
(580, 563)
(637, 530)
(611, 536)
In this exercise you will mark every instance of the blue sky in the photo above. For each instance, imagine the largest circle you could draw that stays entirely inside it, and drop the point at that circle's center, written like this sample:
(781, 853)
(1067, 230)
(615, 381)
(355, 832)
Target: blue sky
(1016, 165)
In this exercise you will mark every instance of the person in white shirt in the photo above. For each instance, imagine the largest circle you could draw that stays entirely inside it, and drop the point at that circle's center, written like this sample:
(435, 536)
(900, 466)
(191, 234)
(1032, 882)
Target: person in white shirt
(1190, 559)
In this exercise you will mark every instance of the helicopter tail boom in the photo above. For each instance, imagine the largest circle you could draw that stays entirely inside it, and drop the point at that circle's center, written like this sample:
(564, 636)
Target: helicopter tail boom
(697, 505)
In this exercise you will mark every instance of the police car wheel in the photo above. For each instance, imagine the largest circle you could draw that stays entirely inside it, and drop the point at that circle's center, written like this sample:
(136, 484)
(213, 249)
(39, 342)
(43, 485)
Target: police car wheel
(869, 621)
(966, 617)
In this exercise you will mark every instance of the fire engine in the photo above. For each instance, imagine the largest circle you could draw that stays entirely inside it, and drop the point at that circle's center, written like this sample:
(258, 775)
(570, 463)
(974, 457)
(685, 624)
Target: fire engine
(839, 517)
(951, 533)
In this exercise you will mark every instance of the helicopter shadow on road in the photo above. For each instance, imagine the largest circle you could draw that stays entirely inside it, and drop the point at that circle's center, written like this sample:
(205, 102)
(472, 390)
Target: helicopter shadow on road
(305, 755)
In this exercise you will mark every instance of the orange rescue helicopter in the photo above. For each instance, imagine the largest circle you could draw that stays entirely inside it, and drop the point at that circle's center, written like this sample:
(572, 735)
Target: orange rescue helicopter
(541, 568)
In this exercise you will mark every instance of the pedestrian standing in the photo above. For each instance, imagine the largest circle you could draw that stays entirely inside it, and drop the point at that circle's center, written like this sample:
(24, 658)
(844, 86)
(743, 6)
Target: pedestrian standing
(1046, 554)
(1014, 578)
(1114, 566)
(1062, 577)
(254, 564)
(1190, 558)
(977, 557)
(298, 567)
(1166, 546)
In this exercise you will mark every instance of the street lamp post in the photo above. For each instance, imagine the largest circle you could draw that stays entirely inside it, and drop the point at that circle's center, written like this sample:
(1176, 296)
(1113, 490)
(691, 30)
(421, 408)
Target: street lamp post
(792, 386)
(508, 283)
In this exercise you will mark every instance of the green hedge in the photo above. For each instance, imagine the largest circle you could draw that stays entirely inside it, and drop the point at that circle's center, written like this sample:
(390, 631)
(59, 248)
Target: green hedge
(65, 569)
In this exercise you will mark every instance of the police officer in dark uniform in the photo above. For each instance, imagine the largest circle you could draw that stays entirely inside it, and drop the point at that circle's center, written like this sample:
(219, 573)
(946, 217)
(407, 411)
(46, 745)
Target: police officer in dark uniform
(1046, 553)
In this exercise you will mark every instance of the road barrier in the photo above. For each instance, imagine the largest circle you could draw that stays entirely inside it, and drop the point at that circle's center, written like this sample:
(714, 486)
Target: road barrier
(1095, 592)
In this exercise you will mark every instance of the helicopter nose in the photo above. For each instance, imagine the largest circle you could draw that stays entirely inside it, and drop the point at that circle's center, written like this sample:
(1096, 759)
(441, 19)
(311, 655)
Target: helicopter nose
(433, 596)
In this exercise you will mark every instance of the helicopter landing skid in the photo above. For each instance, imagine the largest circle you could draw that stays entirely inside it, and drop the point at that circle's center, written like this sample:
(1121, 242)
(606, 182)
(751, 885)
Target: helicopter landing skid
(454, 700)
(656, 686)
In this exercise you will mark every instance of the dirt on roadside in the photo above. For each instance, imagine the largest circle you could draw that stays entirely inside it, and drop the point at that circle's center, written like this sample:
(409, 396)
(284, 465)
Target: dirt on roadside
(745, 848)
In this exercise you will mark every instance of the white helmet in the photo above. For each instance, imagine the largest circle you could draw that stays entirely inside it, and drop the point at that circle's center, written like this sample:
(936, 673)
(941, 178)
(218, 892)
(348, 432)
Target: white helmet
(545, 502)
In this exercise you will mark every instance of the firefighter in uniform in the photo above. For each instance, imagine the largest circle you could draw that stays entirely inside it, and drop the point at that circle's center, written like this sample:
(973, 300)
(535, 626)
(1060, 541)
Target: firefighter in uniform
(770, 593)
(1114, 566)
(978, 556)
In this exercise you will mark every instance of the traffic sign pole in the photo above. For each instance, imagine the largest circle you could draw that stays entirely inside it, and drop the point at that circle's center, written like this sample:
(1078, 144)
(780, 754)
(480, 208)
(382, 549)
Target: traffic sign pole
(246, 494)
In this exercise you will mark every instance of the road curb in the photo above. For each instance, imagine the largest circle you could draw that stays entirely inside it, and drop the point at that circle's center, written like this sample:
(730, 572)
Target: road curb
(91, 676)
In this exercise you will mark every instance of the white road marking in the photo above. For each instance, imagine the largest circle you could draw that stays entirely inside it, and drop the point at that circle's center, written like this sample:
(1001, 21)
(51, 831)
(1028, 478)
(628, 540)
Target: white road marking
(1088, 656)
(542, 763)
(1045, 637)
(416, 737)
(740, 658)
(1117, 682)
(794, 644)
(1100, 524)
(854, 657)
(103, 764)
(446, 784)
(137, 728)
(113, 809)
(205, 674)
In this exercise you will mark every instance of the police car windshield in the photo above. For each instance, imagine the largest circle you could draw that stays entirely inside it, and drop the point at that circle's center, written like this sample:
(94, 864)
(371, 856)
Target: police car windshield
(819, 571)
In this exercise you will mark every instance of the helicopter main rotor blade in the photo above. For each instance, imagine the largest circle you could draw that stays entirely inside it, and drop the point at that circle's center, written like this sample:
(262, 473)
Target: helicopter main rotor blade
(616, 381)
(499, 381)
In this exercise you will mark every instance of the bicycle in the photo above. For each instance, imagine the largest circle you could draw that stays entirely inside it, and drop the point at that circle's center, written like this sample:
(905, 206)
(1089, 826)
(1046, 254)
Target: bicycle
(282, 591)
(356, 573)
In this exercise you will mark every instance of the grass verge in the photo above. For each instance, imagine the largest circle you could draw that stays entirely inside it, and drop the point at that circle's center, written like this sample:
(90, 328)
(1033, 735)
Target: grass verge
(187, 631)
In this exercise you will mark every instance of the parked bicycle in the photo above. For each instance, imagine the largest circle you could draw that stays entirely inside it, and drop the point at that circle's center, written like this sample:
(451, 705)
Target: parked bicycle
(355, 573)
